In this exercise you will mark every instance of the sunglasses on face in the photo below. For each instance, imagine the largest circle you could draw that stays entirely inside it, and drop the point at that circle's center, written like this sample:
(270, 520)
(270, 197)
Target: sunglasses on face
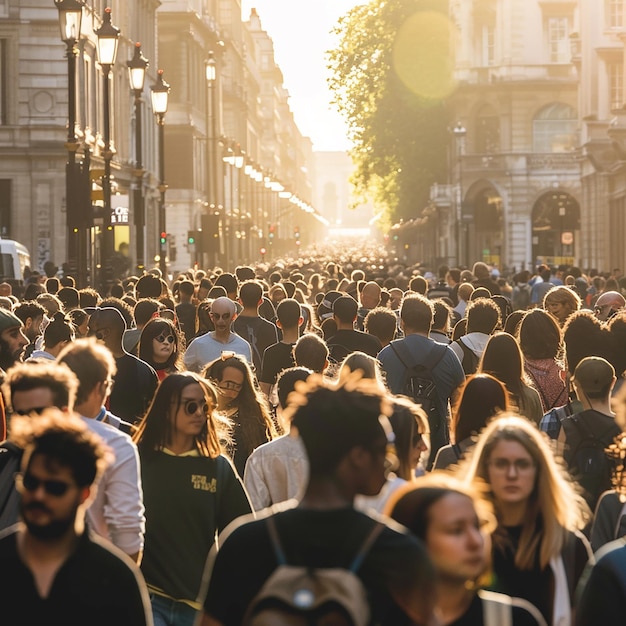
(36, 409)
(55, 488)
(163, 338)
(222, 316)
(192, 406)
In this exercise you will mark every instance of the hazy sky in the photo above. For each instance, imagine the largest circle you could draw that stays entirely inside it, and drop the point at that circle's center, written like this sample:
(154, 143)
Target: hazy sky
(301, 34)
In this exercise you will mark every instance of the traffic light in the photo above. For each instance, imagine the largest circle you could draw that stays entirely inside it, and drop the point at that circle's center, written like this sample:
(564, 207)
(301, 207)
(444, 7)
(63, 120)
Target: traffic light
(272, 232)
(192, 237)
(296, 232)
(163, 238)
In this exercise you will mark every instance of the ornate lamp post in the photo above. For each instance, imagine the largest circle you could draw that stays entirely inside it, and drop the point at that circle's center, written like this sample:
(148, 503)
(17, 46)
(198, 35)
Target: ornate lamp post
(108, 38)
(160, 96)
(70, 19)
(137, 75)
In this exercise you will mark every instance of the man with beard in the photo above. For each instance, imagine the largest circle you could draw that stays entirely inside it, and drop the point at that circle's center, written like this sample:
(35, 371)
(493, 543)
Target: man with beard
(32, 316)
(12, 343)
(59, 573)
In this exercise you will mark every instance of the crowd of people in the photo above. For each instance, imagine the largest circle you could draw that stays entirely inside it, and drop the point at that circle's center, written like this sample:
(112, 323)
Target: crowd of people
(350, 440)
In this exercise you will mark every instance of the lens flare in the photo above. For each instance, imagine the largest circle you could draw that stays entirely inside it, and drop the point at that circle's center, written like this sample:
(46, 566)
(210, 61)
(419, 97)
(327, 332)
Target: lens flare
(423, 55)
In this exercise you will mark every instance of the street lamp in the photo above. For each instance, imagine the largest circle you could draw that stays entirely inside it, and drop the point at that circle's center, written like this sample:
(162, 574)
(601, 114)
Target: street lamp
(211, 158)
(108, 38)
(70, 19)
(137, 75)
(160, 96)
(459, 137)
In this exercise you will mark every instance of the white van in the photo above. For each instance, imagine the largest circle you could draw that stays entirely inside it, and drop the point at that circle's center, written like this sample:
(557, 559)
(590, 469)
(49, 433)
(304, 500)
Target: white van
(14, 257)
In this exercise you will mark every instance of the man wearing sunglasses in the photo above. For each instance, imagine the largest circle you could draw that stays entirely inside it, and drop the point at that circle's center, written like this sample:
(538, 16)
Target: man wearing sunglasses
(59, 573)
(210, 346)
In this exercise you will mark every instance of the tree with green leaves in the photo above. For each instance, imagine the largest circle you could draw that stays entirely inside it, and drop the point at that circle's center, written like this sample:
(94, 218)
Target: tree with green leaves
(391, 73)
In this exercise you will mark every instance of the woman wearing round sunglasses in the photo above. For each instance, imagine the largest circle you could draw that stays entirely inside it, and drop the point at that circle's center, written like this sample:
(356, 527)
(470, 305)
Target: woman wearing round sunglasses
(191, 492)
(240, 400)
(539, 553)
(161, 346)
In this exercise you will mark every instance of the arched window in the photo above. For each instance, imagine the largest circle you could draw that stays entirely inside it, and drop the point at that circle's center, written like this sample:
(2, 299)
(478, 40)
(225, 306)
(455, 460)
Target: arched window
(555, 129)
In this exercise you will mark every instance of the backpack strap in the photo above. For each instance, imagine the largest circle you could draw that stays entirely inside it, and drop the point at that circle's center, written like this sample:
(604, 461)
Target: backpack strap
(364, 548)
(432, 360)
(497, 608)
(279, 553)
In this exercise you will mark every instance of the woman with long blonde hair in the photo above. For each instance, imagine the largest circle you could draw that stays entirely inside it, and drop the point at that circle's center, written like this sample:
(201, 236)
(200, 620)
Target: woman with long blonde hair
(538, 552)
(454, 520)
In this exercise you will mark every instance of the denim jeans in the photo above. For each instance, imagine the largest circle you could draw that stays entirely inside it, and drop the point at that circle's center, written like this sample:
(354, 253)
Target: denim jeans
(166, 612)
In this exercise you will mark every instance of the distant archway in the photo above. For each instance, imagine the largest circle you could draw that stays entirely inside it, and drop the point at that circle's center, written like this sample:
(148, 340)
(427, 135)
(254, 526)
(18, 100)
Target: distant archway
(556, 228)
(483, 217)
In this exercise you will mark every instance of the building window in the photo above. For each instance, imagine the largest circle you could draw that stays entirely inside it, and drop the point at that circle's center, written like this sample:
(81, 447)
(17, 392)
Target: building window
(615, 73)
(488, 52)
(615, 13)
(555, 129)
(487, 131)
(558, 40)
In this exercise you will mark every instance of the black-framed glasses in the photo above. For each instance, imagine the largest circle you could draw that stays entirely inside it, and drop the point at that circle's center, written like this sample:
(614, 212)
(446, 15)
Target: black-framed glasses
(191, 407)
(28, 482)
(503, 466)
(229, 385)
(163, 338)
(38, 410)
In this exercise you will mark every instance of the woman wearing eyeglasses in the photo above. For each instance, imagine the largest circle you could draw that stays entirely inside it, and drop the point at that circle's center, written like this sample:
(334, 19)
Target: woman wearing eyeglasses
(240, 400)
(454, 520)
(538, 552)
(191, 492)
(160, 345)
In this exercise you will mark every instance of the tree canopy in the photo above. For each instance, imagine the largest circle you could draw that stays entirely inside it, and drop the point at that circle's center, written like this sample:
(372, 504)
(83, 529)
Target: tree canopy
(390, 75)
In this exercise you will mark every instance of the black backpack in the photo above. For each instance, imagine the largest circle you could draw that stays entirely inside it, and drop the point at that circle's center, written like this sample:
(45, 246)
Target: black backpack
(419, 384)
(470, 360)
(337, 352)
(586, 457)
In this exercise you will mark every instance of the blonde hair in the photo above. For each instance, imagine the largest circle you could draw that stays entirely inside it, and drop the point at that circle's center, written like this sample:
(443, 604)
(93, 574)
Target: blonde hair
(555, 506)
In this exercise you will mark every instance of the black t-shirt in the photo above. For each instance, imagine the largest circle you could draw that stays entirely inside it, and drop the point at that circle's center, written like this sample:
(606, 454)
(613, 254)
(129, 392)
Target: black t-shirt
(320, 539)
(134, 386)
(276, 358)
(474, 616)
(355, 340)
(94, 586)
(259, 333)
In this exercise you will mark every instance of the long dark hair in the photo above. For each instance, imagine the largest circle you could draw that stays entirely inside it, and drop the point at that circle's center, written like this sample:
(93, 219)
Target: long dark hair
(251, 402)
(161, 326)
(156, 429)
(503, 359)
(482, 396)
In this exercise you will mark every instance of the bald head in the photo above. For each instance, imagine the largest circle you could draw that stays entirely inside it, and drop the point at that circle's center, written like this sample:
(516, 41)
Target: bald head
(370, 296)
(608, 304)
